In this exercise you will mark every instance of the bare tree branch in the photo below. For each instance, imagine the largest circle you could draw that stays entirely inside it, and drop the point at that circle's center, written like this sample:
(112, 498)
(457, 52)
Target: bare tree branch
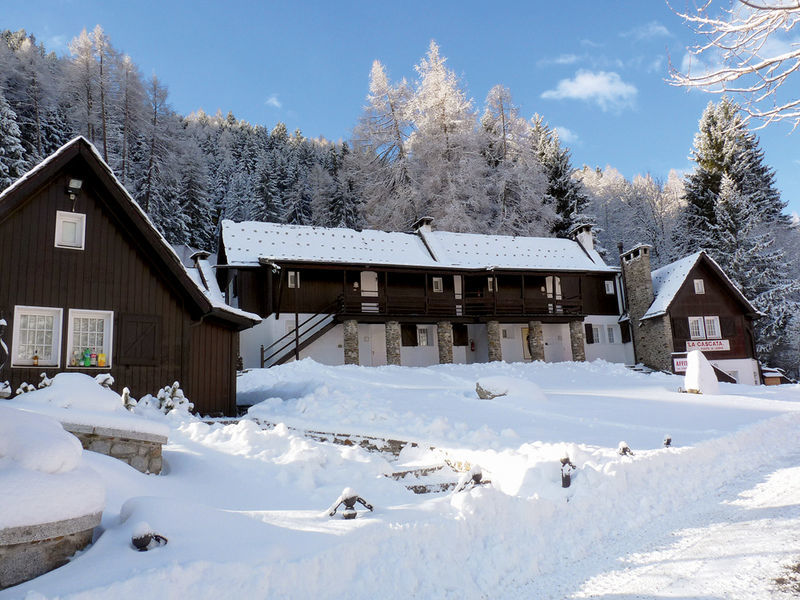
(746, 51)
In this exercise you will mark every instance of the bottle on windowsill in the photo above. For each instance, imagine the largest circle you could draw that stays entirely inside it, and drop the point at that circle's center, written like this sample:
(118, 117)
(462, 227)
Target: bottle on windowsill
(35, 358)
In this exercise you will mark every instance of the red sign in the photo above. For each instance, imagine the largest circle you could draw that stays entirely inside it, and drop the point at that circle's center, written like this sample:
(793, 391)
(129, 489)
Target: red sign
(708, 345)
(680, 364)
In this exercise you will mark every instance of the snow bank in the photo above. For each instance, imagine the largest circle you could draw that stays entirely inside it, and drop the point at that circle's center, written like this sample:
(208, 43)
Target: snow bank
(41, 476)
(77, 399)
(700, 376)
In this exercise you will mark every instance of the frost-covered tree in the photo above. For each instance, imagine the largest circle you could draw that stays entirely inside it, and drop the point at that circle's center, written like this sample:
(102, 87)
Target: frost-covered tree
(564, 192)
(12, 161)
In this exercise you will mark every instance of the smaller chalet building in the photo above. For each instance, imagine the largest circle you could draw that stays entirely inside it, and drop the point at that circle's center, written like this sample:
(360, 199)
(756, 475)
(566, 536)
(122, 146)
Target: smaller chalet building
(87, 284)
(689, 304)
(369, 297)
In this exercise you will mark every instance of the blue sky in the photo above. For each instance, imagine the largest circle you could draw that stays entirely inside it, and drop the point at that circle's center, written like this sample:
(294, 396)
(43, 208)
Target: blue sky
(595, 70)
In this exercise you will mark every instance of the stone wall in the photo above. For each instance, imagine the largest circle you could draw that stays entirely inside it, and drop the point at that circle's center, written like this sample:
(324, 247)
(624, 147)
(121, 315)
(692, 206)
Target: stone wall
(142, 451)
(536, 340)
(393, 343)
(576, 340)
(350, 342)
(654, 343)
(493, 334)
(444, 333)
(29, 551)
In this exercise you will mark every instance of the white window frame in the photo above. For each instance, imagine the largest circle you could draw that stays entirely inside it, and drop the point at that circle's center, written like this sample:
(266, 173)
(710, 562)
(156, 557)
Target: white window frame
(507, 333)
(54, 360)
(612, 335)
(609, 287)
(108, 334)
(713, 332)
(492, 284)
(437, 283)
(700, 328)
(597, 334)
(423, 336)
(293, 279)
(79, 219)
(699, 286)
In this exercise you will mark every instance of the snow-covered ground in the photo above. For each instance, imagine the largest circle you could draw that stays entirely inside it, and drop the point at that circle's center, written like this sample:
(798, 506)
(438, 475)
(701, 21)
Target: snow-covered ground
(244, 506)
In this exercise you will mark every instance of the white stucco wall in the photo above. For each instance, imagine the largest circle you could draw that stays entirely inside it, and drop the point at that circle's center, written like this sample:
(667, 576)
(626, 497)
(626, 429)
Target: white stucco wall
(612, 352)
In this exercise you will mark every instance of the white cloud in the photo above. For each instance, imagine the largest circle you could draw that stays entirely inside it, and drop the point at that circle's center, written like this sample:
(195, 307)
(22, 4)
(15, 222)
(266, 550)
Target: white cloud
(591, 44)
(650, 30)
(567, 136)
(562, 59)
(273, 101)
(604, 88)
(56, 43)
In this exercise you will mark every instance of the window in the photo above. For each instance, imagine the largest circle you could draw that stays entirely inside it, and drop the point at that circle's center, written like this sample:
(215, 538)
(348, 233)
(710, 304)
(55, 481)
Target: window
(492, 284)
(699, 286)
(588, 333)
(70, 230)
(596, 334)
(293, 279)
(507, 333)
(423, 339)
(37, 333)
(712, 328)
(89, 338)
(610, 287)
(438, 286)
(408, 334)
(460, 334)
(612, 338)
(696, 329)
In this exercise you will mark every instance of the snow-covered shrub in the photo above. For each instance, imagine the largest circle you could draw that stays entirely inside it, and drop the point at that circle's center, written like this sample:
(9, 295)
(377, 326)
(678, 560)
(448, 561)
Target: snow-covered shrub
(105, 379)
(170, 398)
(5, 389)
(25, 387)
(45, 382)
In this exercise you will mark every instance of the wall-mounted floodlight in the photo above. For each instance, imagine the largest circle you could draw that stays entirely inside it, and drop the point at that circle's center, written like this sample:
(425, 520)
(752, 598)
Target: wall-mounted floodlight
(73, 189)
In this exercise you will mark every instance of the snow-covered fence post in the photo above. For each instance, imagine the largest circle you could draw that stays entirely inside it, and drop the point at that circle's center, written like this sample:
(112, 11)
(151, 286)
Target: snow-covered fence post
(567, 467)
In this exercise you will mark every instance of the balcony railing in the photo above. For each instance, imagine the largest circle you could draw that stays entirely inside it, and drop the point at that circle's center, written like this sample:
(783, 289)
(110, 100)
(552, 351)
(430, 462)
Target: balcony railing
(471, 305)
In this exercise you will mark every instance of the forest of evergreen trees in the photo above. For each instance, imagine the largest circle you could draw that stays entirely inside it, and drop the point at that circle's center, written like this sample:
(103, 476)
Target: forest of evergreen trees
(419, 148)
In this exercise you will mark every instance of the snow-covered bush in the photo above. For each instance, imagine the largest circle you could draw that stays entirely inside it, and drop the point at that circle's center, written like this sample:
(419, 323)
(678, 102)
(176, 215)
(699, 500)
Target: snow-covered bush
(45, 382)
(24, 388)
(169, 398)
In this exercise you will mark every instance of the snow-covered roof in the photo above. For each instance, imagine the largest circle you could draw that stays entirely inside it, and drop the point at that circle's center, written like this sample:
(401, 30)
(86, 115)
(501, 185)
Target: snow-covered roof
(253, 243)
(667, 281)
(202, 274)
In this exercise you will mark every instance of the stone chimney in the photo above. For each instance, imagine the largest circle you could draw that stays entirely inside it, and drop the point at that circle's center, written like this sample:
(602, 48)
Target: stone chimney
(423, 225)
(583, 235)
(652, 338)
(638, 280)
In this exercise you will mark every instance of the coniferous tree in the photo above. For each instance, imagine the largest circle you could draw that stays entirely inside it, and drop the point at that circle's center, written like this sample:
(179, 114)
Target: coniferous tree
(12, 161)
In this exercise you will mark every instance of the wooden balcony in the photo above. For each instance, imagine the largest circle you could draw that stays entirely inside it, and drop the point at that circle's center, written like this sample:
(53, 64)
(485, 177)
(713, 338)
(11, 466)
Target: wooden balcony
(469, 306)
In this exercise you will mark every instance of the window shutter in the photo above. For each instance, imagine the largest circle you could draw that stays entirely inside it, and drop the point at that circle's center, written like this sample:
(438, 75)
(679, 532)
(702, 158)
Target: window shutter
(589, 333)
(408, 334)
(680, 329)
(140, 340)
(728, 326)
(625, 332)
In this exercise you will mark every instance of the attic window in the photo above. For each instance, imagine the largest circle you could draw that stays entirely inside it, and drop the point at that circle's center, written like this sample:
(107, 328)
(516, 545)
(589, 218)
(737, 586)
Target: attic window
(293, 279)
(438, 285)
(699, 286)
(70, 230)
(609, 287)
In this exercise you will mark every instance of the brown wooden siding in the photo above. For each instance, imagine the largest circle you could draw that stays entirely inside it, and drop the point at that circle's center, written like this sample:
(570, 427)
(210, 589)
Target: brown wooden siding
(113, 272)
(717, 301)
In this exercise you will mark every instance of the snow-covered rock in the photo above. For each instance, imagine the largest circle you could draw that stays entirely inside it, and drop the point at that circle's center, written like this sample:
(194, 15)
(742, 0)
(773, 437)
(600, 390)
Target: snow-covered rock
(700, 377)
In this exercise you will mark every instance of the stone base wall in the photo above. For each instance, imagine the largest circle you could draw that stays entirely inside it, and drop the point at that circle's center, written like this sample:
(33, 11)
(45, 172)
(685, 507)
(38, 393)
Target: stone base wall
(653, 343)
(27, 552)
(576, 339)
(444, 333)
(141, 451)
(536, 340)
(350, 342)
(495, 342)
(393, 342)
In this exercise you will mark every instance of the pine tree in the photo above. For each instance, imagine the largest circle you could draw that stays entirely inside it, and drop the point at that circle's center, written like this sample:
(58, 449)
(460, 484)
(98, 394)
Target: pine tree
(12, 154)
(565, 193)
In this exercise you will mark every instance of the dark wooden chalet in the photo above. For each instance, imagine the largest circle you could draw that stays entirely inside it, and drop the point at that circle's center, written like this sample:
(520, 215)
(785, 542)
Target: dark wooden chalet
(320, 277)
(87, 284)
(687, 305)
